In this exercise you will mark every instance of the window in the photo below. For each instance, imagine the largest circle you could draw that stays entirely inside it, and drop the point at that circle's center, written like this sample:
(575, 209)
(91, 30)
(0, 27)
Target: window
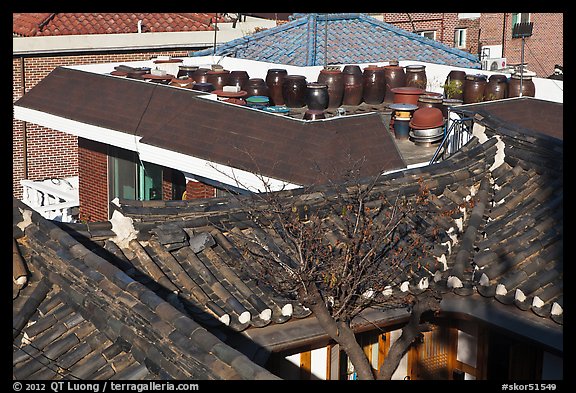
(521, 25)
(130, 178)
(520, 18)
(431, 34)
(460, 38)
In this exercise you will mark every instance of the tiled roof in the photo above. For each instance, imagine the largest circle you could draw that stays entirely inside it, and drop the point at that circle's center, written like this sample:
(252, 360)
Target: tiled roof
(81, 317)
(53, 24)
(276, 146)
(496, 206)
(350, 39)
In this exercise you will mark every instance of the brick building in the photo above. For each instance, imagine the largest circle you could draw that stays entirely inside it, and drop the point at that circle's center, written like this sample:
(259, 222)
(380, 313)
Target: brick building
(39, 47)
(489, 35)
(542, 50)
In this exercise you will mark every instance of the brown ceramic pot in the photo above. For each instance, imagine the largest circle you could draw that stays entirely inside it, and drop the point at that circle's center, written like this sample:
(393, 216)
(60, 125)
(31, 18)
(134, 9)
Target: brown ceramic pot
(218, 78)
(416, 76)
(352, 75)
(294, 91)
(407, 95)
(395, 77)
(334, 79)
(256, 87)
(239, 78)
(474, 88)
(274, 80)
(373, 85)
(454, 85)
(528, 89)
(317, 96)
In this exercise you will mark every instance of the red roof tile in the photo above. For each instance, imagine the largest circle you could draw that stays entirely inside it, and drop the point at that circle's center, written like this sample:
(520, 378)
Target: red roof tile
(47, 24)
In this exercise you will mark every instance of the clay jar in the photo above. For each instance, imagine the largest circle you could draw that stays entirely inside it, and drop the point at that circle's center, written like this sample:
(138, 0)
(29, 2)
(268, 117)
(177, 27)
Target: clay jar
(314, 114)
(474, 88)
(454, 85)
(352, 75)
(219, 78)
(256, 87)
(496, 88)
(528, 88)
(274, 80)
(416, 76)
(200, 75)
(186, 71)
(294, 91)
(373, 85)
(239, 78)
(447, 103)
(429, 101)
(407, 95)
(317, 97)
(334, 79)
(395, 77)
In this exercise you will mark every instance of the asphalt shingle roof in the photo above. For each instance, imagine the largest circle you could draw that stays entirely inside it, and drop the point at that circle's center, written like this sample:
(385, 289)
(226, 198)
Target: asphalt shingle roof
(349, 39)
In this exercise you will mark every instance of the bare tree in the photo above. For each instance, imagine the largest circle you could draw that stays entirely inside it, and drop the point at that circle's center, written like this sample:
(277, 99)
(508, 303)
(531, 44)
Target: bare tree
(339, 249)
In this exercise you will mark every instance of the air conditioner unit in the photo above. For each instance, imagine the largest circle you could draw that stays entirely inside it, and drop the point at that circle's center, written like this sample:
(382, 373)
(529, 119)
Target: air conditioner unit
(493, 64)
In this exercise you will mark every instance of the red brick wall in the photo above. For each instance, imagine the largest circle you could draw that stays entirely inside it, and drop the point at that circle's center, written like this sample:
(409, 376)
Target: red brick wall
(196, 190)
(93, 180)
(442, 23)
(52, 153)
(542, 50)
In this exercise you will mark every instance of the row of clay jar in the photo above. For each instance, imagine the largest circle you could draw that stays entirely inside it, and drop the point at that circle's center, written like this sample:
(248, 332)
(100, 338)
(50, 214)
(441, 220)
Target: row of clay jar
(334, 86)
(477, 88)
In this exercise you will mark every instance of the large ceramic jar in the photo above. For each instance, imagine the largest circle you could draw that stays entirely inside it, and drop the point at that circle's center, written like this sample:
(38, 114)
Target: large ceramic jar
(447, 103)
(274, 80)
(239, 78)
(527, 89)
(186, 71)
(454, 85)
(317, 96)
(496, 88)
(474, 88)
(429, 101)
(373, 85)
(334, 79)
(416, 76)
(256, 87)
(395, 77)
(219, 78)
(352, 75)
(200, 75)
(294, 91)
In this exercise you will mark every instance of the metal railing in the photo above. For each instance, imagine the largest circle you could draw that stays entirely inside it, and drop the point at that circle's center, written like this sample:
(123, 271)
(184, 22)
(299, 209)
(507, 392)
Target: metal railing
(458, 132)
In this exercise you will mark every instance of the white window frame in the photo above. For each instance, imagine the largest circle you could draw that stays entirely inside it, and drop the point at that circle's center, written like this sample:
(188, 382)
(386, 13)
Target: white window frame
(424, 33)
(518, 16)
(460, 36)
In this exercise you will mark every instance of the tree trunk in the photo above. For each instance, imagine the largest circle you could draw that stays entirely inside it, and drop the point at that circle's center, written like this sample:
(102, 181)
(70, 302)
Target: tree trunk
(409, 333)
(339, 332)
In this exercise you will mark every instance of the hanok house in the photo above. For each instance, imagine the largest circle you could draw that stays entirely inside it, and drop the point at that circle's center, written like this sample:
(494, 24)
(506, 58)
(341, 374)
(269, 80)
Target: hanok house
(497, 205)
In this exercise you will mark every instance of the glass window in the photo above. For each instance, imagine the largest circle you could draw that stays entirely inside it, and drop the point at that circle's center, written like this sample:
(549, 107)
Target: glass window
(129, 178)
(431, 34)
(520, 17)
(460, 38)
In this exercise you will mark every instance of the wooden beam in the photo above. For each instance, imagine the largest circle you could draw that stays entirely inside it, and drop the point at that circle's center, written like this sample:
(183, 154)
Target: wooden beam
(305, 365)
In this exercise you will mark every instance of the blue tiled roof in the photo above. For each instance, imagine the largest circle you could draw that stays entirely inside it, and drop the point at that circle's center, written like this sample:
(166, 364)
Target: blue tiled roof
(349, 38)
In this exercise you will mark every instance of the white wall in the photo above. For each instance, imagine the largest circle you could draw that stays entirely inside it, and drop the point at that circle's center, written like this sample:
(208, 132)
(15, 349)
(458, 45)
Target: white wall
(402, 370)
